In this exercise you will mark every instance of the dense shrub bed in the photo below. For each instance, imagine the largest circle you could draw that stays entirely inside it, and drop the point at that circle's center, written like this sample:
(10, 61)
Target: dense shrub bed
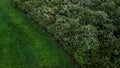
(89, 30)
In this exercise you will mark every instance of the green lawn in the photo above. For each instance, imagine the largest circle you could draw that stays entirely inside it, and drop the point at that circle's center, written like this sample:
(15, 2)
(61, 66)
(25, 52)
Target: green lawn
(23, 46)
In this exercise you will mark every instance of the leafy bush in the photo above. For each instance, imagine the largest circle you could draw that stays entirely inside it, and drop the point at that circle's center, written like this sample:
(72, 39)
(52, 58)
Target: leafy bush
(89, 30)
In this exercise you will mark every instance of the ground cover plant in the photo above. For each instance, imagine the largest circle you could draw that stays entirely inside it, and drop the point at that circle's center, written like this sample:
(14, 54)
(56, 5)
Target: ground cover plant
(89, 30)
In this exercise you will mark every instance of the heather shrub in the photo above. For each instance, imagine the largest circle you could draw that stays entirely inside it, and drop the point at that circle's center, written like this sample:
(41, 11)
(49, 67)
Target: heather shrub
(89, 30)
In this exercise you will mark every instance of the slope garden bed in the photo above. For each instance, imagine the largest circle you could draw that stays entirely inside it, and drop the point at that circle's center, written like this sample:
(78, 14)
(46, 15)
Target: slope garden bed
(89, 30)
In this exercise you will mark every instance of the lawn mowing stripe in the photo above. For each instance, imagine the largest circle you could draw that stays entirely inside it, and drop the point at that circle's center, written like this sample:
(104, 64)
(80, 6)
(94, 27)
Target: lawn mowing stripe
(12, 46)
(24, 51)
(8, 57)
(7, 53)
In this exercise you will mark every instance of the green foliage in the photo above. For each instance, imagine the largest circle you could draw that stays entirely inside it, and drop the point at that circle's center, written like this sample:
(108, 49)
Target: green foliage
(89, 30)
(88, 43)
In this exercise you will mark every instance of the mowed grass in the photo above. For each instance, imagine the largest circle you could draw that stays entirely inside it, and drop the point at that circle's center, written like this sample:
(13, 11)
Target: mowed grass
(23, 46)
